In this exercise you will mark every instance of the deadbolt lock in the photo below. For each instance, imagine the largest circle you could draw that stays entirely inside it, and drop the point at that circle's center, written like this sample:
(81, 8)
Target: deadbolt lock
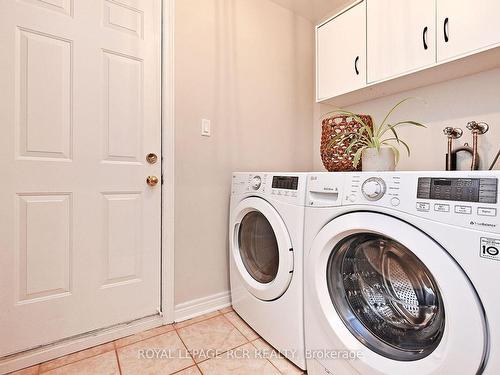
(152, 180)
(152, 158)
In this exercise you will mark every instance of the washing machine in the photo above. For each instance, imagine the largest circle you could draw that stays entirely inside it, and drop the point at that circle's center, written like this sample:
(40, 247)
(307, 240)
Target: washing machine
(266, 257)
(402, 273)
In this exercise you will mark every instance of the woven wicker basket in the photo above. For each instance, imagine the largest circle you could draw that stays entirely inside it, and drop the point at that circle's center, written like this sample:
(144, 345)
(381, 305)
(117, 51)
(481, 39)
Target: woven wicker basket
(334, 157)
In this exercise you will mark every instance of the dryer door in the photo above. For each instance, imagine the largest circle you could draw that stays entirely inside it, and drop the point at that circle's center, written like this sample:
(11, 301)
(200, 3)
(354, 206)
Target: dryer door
(388, 290)
(261, 249)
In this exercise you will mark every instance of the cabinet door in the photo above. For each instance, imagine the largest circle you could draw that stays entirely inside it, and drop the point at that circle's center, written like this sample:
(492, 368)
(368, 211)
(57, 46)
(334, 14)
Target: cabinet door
(400, 37)
(341, 53)
(465, 26)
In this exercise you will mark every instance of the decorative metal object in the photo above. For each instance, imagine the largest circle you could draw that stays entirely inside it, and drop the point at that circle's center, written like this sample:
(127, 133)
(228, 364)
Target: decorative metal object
(451, 133)
(477, 128)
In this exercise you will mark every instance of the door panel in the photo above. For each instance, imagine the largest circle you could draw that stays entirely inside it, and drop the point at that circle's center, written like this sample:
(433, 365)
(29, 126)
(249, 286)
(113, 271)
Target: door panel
(341, 53)
(466, 26)
(401, 37)
(80, 109)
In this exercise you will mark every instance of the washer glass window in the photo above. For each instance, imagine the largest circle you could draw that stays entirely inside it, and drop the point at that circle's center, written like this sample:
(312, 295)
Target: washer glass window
(258, 247)
(386, 296)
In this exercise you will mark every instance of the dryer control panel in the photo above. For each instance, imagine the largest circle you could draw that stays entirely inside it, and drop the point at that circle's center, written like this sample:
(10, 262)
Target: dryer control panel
(466, 199)
(287, 187)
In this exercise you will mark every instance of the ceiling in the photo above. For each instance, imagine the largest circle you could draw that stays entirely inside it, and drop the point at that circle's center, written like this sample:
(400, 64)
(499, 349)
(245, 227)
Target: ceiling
(314, 10)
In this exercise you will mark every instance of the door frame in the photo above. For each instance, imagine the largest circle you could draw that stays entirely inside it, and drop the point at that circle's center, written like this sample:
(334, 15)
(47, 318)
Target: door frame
(168, 162)
(167, 276)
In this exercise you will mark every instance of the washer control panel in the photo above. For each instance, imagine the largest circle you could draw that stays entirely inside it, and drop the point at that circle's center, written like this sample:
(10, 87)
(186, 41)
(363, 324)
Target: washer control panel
(256, 182)
(477, 190)
(373, 188)
(466, 199)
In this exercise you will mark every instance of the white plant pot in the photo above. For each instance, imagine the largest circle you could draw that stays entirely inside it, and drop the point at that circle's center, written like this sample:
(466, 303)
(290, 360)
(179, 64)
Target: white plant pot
(374, 160)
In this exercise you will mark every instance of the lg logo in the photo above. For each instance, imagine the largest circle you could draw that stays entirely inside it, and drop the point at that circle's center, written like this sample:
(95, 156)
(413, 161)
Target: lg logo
(491, 251)
(490, 248)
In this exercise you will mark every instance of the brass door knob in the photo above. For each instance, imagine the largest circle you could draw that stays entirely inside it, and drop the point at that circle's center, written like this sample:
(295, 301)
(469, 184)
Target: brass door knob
(152, 180)
(151, 158)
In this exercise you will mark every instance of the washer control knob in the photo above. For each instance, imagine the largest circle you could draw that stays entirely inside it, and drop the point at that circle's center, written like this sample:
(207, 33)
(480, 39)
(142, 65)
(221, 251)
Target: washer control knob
(395, 201)
(256, 182)
(373, 189)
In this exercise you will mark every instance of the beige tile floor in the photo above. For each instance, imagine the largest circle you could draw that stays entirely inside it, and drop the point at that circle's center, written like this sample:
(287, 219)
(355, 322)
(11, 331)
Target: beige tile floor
(213, 344)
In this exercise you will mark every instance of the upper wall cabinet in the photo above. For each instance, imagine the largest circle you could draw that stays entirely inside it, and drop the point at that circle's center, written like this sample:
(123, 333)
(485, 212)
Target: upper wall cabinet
(465, 26)
(379, 47)
(341, 53)
(400, 37)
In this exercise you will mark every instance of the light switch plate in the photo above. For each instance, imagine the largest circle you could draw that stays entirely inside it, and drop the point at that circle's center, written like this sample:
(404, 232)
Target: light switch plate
(205, 128)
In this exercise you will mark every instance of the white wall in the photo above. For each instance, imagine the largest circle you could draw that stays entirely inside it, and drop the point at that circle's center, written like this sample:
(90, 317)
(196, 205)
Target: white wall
(247, 65)
(452, 103)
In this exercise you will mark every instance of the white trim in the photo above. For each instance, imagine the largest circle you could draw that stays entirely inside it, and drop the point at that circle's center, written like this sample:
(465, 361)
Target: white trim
(72, 345)
(168, 153)
(200, 306)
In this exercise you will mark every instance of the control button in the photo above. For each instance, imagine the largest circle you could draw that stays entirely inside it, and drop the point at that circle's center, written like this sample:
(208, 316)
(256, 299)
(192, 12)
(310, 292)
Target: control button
(466, 210)
(352, 198)
(442, 207)
(395, 201)
(373, 189)
(422, 206)
(256, 182)
(485, 211)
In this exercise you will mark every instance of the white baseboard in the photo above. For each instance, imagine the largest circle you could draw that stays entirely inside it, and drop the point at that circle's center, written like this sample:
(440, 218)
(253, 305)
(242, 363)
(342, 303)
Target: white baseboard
(200, 306)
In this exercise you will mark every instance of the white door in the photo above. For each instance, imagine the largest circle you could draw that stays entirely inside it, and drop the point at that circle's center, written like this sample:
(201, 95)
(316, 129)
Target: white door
(261, 249)
(400, 37)
(79, 111)
(466, 26)
(341, 53)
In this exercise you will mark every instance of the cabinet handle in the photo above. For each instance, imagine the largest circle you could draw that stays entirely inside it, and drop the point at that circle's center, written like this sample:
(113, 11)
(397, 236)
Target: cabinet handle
(445, 29)
(424, 38)
(356, 65)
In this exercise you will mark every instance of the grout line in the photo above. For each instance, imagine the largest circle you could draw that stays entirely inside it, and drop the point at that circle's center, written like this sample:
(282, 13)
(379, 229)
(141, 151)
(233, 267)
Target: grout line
(267, 359)
(146, 338)
(79, 360)
(234, 325)
(118, 361)
(187, 350)
(198, 321)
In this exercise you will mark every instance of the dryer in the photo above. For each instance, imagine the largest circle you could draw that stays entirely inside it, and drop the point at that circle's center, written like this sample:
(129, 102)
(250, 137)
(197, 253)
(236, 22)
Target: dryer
(266, 257)
(401, 273)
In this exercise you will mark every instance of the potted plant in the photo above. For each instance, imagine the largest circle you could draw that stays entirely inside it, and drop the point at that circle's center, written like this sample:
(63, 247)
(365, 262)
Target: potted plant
(377, 147)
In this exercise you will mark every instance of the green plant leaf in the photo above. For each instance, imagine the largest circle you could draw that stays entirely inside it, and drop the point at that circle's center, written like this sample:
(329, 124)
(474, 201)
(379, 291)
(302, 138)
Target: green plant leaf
(408, 122)
(396, 153)
(400, 141)
(357, 157)
(382, 124)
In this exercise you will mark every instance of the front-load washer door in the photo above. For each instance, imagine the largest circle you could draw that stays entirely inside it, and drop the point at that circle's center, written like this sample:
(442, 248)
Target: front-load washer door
(387, 289)
(261, 249)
